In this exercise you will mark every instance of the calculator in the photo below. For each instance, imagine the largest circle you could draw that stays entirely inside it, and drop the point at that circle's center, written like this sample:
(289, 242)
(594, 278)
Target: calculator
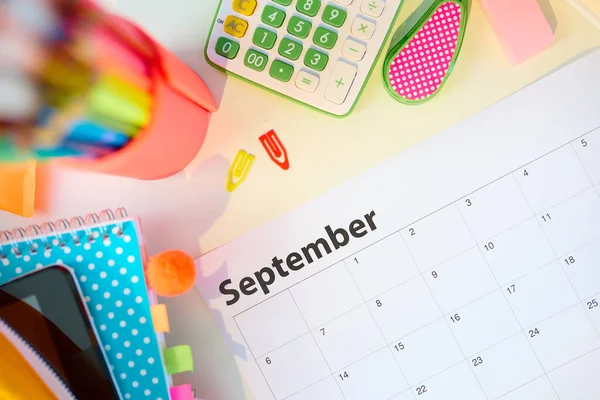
(317, 52)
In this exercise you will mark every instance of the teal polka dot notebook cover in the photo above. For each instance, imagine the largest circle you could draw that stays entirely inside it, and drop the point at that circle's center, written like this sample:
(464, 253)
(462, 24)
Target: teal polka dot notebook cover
(107, 259)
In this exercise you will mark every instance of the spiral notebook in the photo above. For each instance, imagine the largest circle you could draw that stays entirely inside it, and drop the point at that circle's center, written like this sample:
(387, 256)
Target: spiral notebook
(106, 253)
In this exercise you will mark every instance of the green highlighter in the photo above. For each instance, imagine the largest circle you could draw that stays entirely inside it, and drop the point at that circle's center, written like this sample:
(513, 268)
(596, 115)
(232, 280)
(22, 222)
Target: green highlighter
(424, 50)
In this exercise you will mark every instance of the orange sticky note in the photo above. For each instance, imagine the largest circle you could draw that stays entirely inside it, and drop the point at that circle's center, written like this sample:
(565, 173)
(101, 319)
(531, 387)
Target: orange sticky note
(17, 192)
(160, 318)
(239, 170)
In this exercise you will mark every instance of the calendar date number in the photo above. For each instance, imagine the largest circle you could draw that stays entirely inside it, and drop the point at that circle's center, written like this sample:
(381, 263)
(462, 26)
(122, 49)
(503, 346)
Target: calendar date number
(399, 347)
(534, 332)
(477, 361)
(592, 304)
(421, 390)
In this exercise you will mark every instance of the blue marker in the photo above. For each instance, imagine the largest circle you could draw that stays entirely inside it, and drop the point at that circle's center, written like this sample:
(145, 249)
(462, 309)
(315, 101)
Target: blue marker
(96, 135)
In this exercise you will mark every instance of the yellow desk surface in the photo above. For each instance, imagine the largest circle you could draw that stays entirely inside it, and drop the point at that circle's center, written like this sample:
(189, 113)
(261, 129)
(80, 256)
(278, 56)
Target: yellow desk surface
(324, 151)
(193, 212)
(195, 208)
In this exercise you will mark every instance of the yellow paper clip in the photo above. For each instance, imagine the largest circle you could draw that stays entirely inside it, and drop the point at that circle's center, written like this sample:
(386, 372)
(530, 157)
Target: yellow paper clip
(239, 170)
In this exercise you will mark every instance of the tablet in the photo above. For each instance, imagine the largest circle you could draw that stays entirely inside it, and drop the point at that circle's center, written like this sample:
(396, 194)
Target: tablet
(46, 309)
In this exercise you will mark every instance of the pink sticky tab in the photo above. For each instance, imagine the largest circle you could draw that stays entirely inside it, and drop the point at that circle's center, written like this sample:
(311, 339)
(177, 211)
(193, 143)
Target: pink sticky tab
(183, 392)
(520, 26)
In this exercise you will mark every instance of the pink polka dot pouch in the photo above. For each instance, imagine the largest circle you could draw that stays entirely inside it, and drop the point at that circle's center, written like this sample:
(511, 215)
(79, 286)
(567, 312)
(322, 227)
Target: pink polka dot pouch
(424, 50)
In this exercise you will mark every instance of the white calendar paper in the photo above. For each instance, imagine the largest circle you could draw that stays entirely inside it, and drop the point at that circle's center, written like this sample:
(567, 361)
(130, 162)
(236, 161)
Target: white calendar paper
(466, 268)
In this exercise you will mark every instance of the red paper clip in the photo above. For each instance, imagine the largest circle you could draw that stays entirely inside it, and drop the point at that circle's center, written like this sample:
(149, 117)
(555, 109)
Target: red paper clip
(275, 149)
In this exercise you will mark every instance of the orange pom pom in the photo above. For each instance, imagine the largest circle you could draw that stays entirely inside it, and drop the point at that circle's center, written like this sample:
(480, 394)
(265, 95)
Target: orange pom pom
(171, 273)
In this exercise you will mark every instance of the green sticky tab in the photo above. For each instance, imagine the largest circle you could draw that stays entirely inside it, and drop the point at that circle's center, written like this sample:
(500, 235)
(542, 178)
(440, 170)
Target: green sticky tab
(256, 60)
(178, 359)
(334, 16)
(325, 38)
(308, 7)
(283, 2)
(227, 48)
(316, 60)
(281, 71)
(299, 27)
(290, 49)
(264, 38)
(273, 16)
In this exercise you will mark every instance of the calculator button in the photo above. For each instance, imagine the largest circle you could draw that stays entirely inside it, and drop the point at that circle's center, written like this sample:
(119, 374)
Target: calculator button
(308, 7)
(227, 48)
(299, 27)
(244, 7)
(281, 71)
(372, 8)
(256, 60)
(290, 49)
(354, 50)
(235, 26)
(264, 38)
(307, 82)
(344, 2)
(334, 16)
(273, 16)
(341, 81)
(325, 38)
(283, 2)
(316, 60)
(362, 28)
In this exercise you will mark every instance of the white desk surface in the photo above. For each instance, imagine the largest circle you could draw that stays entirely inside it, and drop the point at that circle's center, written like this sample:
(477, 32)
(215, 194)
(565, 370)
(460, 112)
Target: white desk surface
(193, 212)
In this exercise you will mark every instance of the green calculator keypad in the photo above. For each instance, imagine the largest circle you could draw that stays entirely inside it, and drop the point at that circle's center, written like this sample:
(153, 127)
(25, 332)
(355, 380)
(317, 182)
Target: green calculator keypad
(289, 48)
(227, 48)
(313, 51)
(299, 27)
(308, 7)
(325, 38)
(281, 71)
(316, 60)
(334, 16)
(256, 60)
(264, 38)
(273, 16)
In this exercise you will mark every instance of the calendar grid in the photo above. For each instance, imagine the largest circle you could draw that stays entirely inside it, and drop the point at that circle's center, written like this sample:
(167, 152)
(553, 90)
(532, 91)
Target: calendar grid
(433, 213)
(522, 330)
(558, 257)
(380, 332)
(255, 359)
(315, 342)
(427, 269)
(444, 318)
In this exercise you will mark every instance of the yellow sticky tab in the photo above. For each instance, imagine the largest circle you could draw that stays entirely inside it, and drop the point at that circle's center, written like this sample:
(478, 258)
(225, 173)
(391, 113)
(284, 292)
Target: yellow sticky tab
(235, 26)
(160, 318)
(239, 170)
(245, 7)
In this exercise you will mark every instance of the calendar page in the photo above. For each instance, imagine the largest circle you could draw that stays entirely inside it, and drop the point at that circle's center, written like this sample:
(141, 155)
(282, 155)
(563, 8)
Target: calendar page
(467, 268)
